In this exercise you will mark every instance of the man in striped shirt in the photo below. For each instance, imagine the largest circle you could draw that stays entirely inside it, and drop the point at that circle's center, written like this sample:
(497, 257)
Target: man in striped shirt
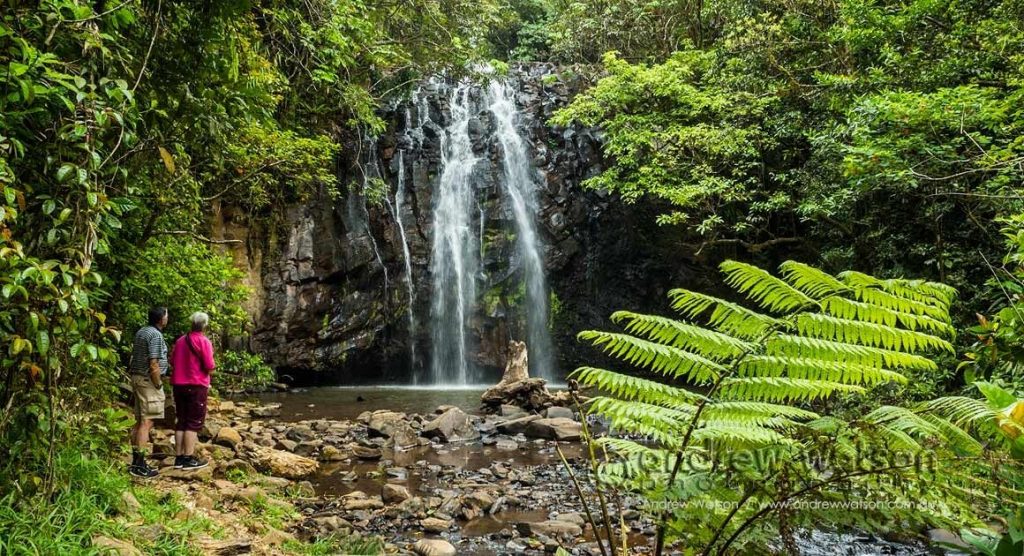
(147, 366)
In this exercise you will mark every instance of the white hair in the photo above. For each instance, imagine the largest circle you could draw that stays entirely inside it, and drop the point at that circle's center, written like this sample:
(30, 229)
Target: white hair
(199, 321)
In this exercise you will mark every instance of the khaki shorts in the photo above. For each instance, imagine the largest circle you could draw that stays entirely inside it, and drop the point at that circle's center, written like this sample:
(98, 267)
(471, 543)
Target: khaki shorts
(149, 399)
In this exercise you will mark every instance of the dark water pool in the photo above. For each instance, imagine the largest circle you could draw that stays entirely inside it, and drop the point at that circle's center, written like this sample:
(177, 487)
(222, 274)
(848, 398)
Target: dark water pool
(347, 402)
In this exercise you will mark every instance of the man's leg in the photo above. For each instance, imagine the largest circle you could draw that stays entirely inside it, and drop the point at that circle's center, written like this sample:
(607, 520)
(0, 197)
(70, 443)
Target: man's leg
(140, 437)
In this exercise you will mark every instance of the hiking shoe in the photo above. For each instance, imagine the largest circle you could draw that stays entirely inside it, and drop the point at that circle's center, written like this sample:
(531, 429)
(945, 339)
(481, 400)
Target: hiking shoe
(192, 463)
(142, 471)
(179, 461)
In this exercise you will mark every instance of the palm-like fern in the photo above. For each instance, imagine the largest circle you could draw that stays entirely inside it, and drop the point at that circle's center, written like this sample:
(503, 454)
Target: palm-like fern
(757, 373)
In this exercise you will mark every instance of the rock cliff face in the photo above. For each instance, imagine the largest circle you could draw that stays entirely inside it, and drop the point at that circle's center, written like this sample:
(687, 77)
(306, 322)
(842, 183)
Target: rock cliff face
(335, 295)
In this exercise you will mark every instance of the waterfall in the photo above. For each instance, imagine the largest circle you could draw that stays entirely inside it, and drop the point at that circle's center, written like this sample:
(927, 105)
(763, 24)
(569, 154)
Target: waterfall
(520, 187)
(454, 262)
(374, 165)
(397, 210)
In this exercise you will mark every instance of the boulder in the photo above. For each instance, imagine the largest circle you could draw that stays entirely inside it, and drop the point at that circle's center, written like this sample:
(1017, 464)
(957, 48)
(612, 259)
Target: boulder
(228, 547)
(332, 453)
(511, 411)
(284, 464)
(229, 437)
(239, 464)
(394, 494)
(364, 452)
(451, 426)
(552, 528)
(226, 406)
(108, 546)
(517, 425)
(555, 412)
(480, 499)
(434, 547)
(204, 474)
(384, 423)
(271, 410)
(558, 428)
(435, 524)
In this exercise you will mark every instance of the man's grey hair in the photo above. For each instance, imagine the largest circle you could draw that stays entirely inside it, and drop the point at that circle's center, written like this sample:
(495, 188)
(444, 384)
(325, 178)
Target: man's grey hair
(199, 321)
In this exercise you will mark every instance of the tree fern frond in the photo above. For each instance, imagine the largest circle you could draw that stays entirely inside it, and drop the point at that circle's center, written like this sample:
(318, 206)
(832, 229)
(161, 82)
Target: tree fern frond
(797, 346)
(849, 309)
(635, 388)
(763, 288)
(708, 343)
(817, 369)
(881, 298)
(658, 358)
(725, 317)
(721, 409)
(963, 411)
(957, 438)
(902, 419)
(868, 334)
(664, 417)
(781, 389)
(812, 281)
(940, 295)
(728, 433)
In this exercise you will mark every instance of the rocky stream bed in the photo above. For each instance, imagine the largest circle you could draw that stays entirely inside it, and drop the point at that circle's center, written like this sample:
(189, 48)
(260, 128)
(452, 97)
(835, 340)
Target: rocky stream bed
(430, 482)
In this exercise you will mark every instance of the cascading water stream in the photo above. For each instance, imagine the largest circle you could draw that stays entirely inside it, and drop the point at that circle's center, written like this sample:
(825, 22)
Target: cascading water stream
(407, 257)
(520, 187)
(454, 262)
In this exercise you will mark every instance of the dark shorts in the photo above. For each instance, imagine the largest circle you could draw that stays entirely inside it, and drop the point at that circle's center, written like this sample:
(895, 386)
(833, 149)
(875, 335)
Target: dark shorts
(190, 405)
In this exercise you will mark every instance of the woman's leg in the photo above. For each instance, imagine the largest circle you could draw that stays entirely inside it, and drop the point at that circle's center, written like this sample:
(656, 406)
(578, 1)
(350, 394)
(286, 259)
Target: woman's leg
(181, 413)
(196, 418)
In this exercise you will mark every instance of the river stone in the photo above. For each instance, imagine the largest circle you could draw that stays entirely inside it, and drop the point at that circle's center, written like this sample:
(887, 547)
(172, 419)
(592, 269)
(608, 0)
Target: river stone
(480, 499)
(384, 423)
(404, 437)
(363, 452)
(552, 528)
(240, 464)
(354, 504)
(108, 546)
(517, 425)
(451, 426)
(226, 406)
(229, 437)
(331, 453)
(300, 433)
(435, 524)
(506, 444)
(272, 410)
(434, 547)
(511, 411)
(558, 428)
(130, 505)
(204, 474)
(229, 547)
(559, 412)
(331, 523)
(284, 464)
(394, 494)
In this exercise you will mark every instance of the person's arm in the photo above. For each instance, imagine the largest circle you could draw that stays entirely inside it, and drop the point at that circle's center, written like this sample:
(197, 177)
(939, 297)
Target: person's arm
(208, 362)
(155, 349)
(154, 372)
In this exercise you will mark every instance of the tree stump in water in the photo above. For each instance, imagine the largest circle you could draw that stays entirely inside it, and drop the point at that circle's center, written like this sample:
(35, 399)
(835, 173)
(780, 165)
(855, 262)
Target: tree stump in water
(516, 387)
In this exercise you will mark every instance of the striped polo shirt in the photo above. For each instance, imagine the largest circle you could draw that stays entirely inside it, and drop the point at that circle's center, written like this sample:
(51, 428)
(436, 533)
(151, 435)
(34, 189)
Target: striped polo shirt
(149, 344)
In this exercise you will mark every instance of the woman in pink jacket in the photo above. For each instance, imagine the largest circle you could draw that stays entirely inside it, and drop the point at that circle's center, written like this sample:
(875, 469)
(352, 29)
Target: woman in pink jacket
(192, 364)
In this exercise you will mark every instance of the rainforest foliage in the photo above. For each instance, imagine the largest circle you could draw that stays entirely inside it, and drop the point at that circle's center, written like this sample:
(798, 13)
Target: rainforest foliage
(753, 453)
(881, 136)
(125, 126)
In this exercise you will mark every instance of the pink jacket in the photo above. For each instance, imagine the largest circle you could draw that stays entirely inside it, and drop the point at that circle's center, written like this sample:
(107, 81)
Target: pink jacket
(186, 367)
